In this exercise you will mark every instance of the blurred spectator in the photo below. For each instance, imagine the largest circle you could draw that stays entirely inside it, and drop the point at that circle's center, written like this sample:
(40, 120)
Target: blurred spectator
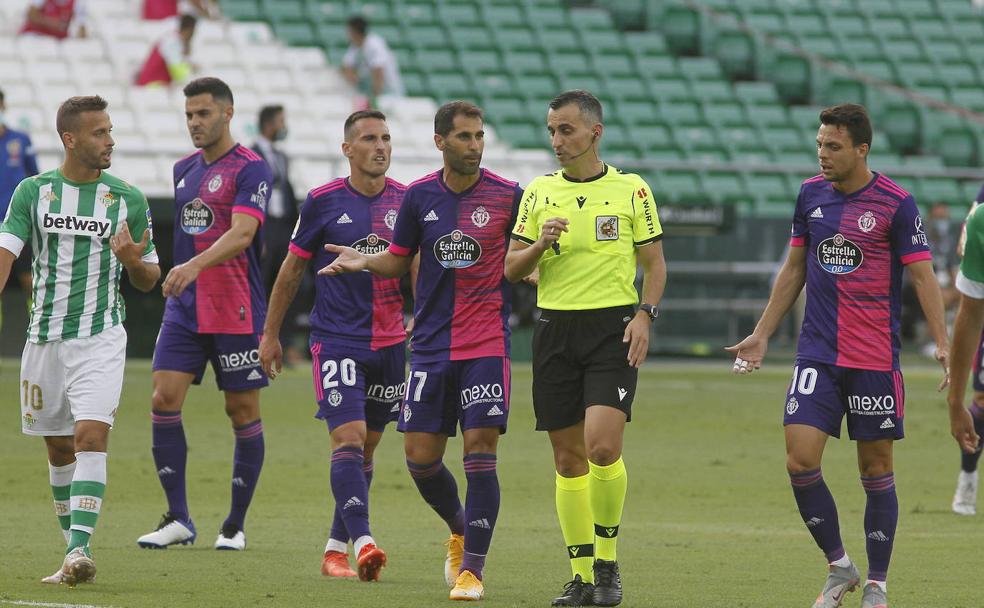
(169, 59)
(55, 18)
(369, 64)
(164, 9)
(17, 161)
(942, 235)
(281, 211)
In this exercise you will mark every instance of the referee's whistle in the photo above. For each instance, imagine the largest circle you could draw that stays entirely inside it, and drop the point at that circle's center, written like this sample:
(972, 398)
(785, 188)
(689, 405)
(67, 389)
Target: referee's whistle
(556, 247)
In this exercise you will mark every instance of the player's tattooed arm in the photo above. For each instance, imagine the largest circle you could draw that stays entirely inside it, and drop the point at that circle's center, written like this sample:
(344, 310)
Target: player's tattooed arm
(143, 275)
(284, 289)
(750, 352)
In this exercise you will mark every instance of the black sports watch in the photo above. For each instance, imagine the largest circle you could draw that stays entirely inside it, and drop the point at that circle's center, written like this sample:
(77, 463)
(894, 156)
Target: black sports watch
(650, 310)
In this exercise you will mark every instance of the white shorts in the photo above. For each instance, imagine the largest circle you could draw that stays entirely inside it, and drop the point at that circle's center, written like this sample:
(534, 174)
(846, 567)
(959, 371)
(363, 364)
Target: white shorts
(70, 380)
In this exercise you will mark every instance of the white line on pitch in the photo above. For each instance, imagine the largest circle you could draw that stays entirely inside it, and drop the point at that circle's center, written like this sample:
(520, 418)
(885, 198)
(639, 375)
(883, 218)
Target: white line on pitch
(48, 604)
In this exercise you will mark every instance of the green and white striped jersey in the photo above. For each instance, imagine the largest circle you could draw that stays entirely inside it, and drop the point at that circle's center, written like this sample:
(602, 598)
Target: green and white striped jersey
(75, 276)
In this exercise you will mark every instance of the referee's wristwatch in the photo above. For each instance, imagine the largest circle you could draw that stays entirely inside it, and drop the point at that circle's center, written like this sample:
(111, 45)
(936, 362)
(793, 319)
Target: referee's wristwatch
(650, 310)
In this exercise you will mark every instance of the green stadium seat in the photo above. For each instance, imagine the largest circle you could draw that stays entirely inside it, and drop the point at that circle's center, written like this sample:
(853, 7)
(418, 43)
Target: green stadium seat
(681, 113)
(429, 60)
(700, 68)
(645, 43)
(620, 150)
(767, 23)
(391, 33)
(657, 67)
(456, 15)
(591, 19)
(696, 137)
(471, 38)
(944, 51)
(516, 39)
(648, 135)
(480, 61)
(560, 41)
(427, 37)
(609, 41)
(805, 117)
(863, 49)
(494, 84)
(939, 189)
(524, 62)
(587, 81)
(930, 28)
(615, 133)
(890, 27)
(374, 12)
(538, 86)
(916, 10)
(296, 33)
(500, 110)
(724, 113)
(332, 34)
(284, 10)
(756, 93)
(739, 137)
(503, 15)
(767, 115)
(807, 24)
(523, 134)
(851, 26)
(550, 16)
(450, 85)
(628, 13)
(970, 191)
(725, 187)
(785, 139)
(664, 151)
(769, 185)
(971, 98)
(967, 31)
(414, 82)
(416, 13)
(793, 77)
(735, 52)
(614, 64)
(713, 90)
(959, 147)
(959, 73)
(904, 50)
(627, 88)
(842, 89)
(902, 125)
(676, 186)
(881, 69)
(569, 65)
(242, 10)
(824, 46)
(670, 89)
(681, 27)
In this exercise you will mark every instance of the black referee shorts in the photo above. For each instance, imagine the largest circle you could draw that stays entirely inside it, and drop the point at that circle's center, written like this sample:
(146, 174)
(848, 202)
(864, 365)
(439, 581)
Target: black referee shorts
(579, 359)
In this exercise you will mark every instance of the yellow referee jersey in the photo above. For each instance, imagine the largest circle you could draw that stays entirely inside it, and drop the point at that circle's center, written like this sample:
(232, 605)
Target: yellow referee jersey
(594, 264)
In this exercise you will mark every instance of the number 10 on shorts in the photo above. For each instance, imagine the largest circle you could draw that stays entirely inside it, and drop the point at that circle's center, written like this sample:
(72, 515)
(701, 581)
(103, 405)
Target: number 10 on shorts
(804, 382)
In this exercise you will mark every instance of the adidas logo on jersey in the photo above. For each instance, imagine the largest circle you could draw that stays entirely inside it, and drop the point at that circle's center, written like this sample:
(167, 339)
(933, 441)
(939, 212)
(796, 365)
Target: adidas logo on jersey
(879, 536)
(353, 502)
(345, 219)
(238, 482)
(622, 393)
(181, 184)
(495, 411)
(888, 424)
(817, 213)
(431, 216)
(254, 375)
(165, 471)
(480, 523)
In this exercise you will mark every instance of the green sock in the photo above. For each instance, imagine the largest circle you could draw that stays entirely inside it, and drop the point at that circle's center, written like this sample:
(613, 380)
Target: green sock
(88, 488)
(574, 512)
(607, 488)
(61, 490)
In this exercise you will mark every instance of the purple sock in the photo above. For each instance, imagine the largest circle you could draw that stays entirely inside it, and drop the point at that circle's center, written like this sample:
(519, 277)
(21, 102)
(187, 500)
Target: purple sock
(351, 491)
(881, 515)
(170, 457)
(438, 487)
(481, 510)
(338, 530)
(819, 513)
(968, 462)
(246, 465)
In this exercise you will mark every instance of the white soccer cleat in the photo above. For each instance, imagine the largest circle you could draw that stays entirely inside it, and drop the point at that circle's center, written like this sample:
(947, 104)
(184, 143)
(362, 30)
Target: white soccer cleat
(171, 531)
(965, 498)
(230, 538)
(78, 567)
(55, 579)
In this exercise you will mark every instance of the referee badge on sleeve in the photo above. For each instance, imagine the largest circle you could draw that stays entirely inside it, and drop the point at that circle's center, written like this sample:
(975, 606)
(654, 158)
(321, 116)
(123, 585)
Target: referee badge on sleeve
(606, 228)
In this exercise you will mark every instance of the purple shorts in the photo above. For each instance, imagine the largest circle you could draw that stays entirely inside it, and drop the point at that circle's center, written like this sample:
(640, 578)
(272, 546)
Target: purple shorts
(442, 394)
(235, 358)
(358, 384)
(979, 367)
(819, 395)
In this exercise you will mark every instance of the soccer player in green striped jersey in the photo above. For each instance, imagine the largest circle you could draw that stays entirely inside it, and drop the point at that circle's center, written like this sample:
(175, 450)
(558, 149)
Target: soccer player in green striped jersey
(79, 221)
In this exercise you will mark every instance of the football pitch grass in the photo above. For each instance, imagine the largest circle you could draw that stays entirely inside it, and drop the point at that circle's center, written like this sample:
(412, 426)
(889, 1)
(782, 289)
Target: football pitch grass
(710, 520)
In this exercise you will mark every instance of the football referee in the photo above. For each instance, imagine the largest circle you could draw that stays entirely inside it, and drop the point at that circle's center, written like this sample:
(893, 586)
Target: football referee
(586, 227)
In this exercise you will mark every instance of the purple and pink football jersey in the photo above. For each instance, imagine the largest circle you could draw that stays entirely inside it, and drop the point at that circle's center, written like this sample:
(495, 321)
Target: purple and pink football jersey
(360, 309)
(227, 298)
(463, 300)
(856, 246)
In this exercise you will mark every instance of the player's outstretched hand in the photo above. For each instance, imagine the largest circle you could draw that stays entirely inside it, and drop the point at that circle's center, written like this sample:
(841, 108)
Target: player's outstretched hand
(271, 356)
(179, 278)
(637, 337)
(123, 247)
(942, 355)
(348, 260)
(962, 428)
(749, 354)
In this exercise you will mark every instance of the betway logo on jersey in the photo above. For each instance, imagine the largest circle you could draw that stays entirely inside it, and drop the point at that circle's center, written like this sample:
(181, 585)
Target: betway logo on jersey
(481, 393)
(75, 225)
(386, 394)
(838, 255)
(372, 243)
(871, 405)
(233, 362)
(457, 250)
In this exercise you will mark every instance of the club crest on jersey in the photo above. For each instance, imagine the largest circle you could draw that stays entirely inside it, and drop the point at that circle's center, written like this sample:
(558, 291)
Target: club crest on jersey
(606, 228)
(390, 219)
(196, 217)
(372, 243)
(107, 200)
(334, 397)
(838, 255)
(867, 221)
(480, 217)
(792, 405)
(457, 250)
(215, 183)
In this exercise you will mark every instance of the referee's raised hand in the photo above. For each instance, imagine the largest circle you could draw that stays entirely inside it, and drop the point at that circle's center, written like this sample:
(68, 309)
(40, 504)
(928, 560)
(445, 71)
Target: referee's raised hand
(348, 260)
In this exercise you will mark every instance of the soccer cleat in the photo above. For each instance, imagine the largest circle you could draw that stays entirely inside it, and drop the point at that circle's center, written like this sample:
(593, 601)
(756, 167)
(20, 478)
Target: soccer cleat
(55, 579)
(965, 498)
(467, 587)
(335, 563)
(371, 560)
(873, 597)
(231, 538)
(171, 531)
(576, 593)
(78, 567)
(840, 582)
(607, 583)
(456, 552)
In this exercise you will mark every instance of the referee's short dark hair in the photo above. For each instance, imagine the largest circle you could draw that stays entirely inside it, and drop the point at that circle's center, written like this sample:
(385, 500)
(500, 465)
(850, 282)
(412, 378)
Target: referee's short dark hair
(444, 119)
(359, 25)
(355, 117)
(851, 116)
(208, 84)
(587, 103)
